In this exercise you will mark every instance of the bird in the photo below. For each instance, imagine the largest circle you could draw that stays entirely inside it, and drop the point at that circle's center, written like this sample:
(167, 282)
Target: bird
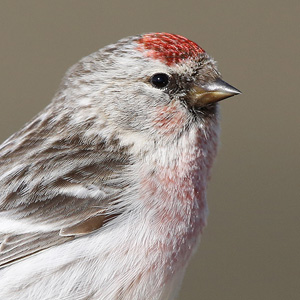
(103, 193)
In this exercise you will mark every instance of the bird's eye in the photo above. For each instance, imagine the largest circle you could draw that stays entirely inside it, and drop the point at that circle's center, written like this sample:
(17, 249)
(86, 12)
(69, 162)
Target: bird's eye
(160, 80)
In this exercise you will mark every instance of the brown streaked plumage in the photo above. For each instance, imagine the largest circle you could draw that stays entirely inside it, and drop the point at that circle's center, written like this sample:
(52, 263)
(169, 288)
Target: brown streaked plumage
(103, 194)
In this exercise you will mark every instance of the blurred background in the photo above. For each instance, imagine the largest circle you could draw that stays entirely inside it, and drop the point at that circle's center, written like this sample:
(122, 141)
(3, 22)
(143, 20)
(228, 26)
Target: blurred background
(251, 247)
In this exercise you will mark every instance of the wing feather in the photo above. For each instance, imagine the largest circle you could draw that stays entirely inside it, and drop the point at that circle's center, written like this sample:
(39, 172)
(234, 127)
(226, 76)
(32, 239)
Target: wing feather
(16, 247)
(59, 189)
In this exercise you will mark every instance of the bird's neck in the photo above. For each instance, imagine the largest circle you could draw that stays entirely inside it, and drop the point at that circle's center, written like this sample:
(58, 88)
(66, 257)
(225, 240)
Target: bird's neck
(173, 184)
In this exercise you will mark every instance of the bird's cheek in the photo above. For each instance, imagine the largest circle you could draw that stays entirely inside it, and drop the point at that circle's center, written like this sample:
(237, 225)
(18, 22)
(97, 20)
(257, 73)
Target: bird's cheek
(169, 119)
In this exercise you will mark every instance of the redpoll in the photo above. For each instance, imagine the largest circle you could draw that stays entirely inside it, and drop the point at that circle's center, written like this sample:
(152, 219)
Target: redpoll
(103, 194)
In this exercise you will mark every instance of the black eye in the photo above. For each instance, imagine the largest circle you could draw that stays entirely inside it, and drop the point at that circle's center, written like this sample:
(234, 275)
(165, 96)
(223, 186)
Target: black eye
(159, 80)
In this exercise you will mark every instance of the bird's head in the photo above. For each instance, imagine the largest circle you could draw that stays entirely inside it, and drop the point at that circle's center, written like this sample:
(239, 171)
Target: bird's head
(157, 82)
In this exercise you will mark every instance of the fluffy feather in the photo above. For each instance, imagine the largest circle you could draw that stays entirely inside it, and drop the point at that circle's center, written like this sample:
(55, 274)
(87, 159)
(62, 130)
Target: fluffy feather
(103, 194)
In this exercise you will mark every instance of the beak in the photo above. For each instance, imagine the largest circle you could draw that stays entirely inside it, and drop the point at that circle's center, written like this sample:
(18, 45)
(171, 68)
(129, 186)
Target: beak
(212, 92)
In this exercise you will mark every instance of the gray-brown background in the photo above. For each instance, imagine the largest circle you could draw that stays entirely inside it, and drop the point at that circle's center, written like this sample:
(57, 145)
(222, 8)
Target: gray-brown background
(250, 249)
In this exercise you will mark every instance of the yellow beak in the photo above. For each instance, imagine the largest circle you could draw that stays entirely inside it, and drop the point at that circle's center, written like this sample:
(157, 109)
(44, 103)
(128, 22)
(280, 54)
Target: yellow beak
(201, 95)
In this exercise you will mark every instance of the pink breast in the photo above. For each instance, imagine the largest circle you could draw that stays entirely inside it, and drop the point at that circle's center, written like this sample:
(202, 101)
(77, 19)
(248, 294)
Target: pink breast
(175, 194)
